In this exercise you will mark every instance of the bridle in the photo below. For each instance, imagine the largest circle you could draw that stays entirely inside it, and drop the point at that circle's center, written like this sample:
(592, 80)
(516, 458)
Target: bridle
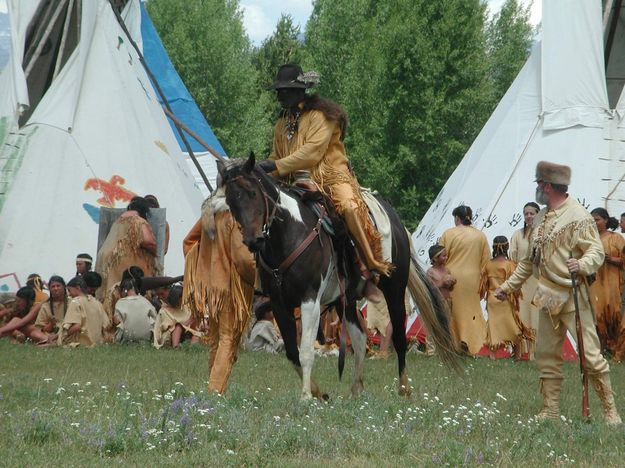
(268, 217)
(277, 273)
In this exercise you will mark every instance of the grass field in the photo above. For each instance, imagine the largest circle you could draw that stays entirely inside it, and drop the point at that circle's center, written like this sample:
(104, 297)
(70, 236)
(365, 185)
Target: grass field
(134, 405)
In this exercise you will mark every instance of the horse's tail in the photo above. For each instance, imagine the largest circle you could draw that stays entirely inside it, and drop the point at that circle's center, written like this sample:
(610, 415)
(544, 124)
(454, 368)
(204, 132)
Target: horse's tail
(434, 313)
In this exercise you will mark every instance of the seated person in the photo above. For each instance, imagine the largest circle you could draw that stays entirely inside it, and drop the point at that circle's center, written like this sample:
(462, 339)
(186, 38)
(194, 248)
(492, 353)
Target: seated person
(53, 311)
(156, 288)
(264, 336)
(93, 280)
(22, 322)
(7, 302)
(134, 315)
(173, 320)
(35, 282)
(143, 283)
(114, 293)
(85, 321)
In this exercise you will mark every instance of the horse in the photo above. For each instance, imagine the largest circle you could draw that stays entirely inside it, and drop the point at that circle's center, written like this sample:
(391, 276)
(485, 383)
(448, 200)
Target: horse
(299, 266)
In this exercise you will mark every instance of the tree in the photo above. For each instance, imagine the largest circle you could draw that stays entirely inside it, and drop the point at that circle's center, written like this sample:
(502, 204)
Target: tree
(412, 75)
(509, 36)
(208, 46)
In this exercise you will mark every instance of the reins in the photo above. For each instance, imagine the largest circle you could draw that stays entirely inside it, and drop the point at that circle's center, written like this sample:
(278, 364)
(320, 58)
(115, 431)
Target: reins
(278, 273)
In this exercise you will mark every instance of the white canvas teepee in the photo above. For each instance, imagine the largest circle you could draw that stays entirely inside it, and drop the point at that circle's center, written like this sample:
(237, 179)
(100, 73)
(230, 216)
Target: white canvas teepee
(557, 110)
(97, 137)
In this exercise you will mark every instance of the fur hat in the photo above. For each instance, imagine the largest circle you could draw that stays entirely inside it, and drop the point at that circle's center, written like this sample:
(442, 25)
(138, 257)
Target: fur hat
(553, 173)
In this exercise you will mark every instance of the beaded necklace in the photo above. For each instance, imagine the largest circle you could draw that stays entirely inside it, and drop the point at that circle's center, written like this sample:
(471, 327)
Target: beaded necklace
(291, 120)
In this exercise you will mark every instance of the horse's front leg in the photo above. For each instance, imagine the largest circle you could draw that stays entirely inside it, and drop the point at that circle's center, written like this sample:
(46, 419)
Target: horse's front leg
(311, 311)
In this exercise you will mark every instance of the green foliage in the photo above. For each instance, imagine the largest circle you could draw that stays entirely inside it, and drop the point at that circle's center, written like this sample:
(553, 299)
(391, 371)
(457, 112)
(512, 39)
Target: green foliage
(509, 38)
(138, 406)
(207, 44)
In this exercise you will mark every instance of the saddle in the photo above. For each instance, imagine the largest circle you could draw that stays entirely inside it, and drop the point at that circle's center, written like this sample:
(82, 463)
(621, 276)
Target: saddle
(321, 205)
(333, 224)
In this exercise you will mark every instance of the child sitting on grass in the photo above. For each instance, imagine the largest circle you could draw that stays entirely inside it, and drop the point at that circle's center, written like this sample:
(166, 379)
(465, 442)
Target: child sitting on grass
(173, 320)
(85, 321)
(134, 315)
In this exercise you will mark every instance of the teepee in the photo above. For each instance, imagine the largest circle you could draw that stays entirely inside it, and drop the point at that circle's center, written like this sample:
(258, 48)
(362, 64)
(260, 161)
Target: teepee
(81, 128)
(557, 109)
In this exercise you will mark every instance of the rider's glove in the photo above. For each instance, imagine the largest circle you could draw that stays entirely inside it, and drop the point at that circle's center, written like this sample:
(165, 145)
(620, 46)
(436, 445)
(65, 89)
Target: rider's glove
(267, 165)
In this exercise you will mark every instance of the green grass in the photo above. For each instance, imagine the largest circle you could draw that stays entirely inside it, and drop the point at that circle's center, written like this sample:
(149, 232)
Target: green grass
(142, 407)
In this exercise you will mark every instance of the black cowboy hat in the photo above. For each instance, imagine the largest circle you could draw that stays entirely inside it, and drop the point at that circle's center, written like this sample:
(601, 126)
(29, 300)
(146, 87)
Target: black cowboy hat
(291, 75)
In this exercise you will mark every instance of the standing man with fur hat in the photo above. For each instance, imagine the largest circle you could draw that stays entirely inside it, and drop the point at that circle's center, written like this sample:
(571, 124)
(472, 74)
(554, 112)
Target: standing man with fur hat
(309, 137)
(219, 277)
(564, 240)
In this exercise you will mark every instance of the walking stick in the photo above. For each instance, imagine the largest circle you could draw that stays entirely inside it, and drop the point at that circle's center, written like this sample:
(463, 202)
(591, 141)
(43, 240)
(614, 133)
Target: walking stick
(580, 348)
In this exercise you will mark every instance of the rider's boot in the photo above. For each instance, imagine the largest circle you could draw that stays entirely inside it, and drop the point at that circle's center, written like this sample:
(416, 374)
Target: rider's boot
(367, 284)
(359, 236)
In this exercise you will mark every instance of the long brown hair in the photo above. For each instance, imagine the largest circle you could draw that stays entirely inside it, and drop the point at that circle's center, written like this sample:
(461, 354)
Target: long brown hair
(330, 109)
(60, 280)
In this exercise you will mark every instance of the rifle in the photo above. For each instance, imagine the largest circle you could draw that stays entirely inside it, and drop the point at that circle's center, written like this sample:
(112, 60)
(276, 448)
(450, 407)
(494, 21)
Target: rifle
(580, 347)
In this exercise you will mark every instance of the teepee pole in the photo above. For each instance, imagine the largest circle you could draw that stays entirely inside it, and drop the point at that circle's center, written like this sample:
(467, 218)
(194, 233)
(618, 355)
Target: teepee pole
(44, 38)
(194, 135)
(187, 146)
(59, 58)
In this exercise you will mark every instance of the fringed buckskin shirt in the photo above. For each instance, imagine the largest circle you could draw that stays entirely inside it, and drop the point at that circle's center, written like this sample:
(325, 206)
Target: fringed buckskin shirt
(555, 235)
(315, 146)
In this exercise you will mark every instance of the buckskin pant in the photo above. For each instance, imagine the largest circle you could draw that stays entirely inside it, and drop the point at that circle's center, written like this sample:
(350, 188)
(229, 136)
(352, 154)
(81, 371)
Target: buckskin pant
(550, 338)
(223, 340)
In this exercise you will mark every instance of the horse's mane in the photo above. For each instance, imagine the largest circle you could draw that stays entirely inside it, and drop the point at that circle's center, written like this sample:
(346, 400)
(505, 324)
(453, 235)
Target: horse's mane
(214, 204)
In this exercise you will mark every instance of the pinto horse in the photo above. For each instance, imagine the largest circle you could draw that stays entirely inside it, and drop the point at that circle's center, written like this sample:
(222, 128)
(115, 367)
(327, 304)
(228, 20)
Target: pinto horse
(299, 267)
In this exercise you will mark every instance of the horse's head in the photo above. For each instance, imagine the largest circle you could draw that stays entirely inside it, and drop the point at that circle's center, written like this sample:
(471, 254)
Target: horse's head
(247, 199)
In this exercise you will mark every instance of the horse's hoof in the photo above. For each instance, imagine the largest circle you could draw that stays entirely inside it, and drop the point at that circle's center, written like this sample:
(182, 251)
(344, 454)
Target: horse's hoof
(404, 391)
(357, 390)
(325, 397)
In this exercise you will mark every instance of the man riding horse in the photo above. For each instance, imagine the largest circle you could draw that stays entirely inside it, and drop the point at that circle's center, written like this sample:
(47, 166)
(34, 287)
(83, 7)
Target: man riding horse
(309, 137)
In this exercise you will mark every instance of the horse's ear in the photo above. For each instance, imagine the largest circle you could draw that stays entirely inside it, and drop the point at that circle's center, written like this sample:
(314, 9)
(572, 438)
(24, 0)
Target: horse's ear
(221, 168)
(250, 163)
